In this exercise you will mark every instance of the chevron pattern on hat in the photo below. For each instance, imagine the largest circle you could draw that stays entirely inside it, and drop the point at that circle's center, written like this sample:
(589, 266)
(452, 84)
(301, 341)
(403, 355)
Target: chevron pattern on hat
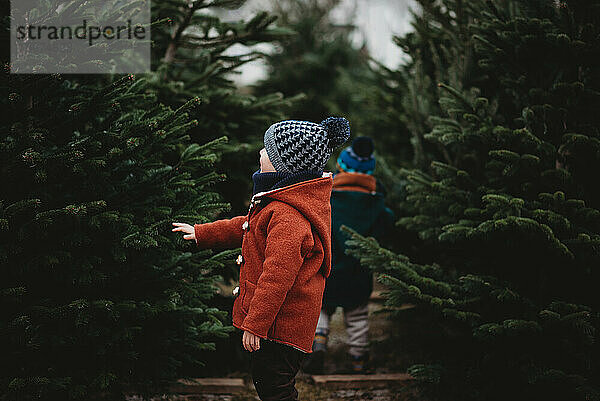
(294, 145)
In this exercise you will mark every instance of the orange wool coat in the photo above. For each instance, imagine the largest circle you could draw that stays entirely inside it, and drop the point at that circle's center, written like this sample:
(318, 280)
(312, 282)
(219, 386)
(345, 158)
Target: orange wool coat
(286, 257)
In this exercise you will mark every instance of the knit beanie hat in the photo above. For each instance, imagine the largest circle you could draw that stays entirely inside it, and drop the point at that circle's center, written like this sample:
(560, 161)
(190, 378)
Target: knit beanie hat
(294, 146)
(358, 158)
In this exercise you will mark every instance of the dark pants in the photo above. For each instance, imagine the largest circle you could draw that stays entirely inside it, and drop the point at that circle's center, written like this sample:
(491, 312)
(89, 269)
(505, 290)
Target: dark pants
(274, 367)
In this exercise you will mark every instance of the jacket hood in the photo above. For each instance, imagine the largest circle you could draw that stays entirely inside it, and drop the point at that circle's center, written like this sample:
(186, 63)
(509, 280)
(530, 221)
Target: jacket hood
(344, 181)
(312, 199)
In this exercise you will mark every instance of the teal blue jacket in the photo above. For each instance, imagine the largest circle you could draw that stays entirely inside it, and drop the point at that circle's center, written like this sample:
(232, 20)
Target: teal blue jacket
(357, 202)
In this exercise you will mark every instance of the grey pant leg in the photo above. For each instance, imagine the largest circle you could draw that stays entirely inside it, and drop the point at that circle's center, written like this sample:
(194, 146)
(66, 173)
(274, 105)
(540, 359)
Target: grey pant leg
(357, 328)
(324, 319)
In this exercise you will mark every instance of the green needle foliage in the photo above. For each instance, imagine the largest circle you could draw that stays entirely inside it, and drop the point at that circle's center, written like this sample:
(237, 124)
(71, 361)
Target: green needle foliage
(98, 294)
(326, 73)
(195, 54)
(319, 61)
(98, 297)
(505, 203)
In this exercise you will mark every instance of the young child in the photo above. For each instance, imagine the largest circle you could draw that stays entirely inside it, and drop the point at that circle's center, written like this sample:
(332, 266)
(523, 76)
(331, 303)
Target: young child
(357, 202)
(286, 250)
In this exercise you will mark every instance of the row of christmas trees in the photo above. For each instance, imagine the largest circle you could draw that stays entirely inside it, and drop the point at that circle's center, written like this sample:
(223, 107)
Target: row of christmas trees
(500, 101)
(488, 142)
(97, 295)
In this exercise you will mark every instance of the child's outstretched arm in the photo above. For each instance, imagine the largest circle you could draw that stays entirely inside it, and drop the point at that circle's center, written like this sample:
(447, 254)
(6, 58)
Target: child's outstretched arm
(220, 234)
(289, 239)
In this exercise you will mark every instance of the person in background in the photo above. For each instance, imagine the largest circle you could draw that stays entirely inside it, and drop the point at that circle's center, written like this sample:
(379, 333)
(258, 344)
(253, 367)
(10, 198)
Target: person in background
(357, 201)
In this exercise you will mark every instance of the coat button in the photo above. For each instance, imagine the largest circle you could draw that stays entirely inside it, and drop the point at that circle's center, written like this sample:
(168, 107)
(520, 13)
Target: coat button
(239, 260)
(235, 291)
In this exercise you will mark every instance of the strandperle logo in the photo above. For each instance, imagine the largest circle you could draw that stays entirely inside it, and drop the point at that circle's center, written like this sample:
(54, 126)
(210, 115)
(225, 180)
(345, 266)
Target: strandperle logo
(82, 32)
(80, 37)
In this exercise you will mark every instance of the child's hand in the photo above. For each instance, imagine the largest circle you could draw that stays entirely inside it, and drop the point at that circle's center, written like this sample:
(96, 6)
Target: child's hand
(187, 229)
(250, 341)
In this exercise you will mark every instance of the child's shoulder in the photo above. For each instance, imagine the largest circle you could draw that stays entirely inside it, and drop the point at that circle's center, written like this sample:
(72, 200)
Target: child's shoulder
(276, 207)
(278, 212)
(282, 218)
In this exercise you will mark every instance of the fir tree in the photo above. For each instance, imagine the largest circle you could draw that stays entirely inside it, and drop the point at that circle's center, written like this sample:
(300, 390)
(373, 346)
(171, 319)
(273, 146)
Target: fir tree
(192, 60)
(313, 61)
(98, 296)
(509, 212)
(325, 72)
(190, 57)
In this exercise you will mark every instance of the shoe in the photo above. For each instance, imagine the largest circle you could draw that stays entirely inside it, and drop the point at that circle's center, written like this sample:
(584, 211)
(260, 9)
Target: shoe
(358, 364)
(315, 361)
(320, 342)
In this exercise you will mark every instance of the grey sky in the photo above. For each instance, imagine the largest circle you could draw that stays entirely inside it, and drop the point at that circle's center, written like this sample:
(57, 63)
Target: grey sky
(376, 20)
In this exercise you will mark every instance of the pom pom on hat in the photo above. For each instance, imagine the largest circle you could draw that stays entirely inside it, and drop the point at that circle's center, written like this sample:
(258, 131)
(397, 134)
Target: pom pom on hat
(338, 130)
(363, 146)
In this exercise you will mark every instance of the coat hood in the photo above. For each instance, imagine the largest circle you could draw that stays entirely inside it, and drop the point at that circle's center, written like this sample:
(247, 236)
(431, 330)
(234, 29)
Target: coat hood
(344, 181)
(312, 199)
